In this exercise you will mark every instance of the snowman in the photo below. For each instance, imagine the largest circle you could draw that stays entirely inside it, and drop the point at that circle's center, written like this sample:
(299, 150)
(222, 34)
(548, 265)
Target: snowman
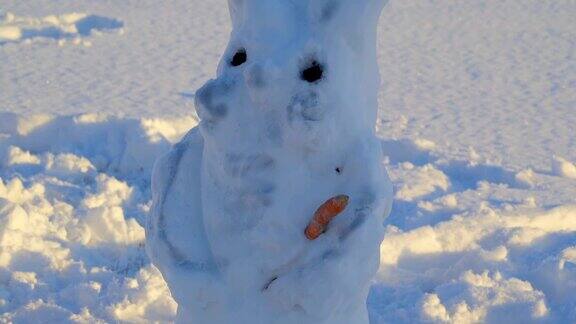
(271, 210)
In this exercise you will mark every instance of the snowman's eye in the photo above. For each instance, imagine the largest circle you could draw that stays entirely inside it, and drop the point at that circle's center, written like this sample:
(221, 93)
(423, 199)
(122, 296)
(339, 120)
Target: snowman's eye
(239, 58)
(313, 72)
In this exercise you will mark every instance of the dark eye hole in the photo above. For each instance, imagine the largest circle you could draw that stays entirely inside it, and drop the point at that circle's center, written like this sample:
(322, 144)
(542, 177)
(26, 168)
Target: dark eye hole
(313, 72)
(239, 58)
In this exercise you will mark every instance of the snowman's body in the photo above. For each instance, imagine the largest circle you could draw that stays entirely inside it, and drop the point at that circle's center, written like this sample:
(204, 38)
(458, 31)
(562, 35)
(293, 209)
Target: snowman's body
(283, 128)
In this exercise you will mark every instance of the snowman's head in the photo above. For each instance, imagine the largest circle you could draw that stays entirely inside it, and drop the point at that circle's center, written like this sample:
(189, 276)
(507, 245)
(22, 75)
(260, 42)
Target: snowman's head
(307, 61)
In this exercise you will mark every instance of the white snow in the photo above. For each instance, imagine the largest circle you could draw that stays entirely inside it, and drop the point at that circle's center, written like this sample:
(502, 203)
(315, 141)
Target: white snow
(563, 168)
(479, 92)
(420, 181)
(71, 234)
(231, 200)
(483, 297)
(73, 26)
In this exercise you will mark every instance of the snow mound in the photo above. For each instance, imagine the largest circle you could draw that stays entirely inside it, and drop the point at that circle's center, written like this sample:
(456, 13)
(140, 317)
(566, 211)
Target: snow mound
(71, 215)
(103, 142)
(484, 297)
(470, 240)
(497, 261)
(563, 168)
(75, 27)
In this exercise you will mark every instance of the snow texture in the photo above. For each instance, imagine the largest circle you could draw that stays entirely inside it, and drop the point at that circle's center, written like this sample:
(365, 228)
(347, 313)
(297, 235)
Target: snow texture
(72, 26)
(476, 119)
(287, 124)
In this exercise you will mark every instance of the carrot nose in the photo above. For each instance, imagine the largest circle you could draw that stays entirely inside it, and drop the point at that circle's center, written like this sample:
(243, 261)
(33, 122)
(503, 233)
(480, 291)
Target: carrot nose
(324, 215)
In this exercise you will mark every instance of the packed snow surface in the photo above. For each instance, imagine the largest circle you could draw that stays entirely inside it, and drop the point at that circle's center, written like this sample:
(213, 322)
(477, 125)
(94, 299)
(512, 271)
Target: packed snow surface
(476, 119)
(67, 26)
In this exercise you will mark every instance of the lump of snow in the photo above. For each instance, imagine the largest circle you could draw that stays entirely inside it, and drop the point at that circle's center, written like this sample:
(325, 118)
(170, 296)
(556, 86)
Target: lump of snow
(147, 299)
(67, 26)
(568, 257)
(16, 155)
(563, 168)
(15, 191)
(10, 33)
(484, 297)
(433, 310)
(109, 192)
(67, 164)
(417, 182)
(108, 225)
(525, 177)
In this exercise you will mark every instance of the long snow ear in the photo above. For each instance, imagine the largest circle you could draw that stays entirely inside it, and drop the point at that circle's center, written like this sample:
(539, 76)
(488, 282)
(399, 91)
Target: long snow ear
(353, 20)
(236, 8)
(346, 11)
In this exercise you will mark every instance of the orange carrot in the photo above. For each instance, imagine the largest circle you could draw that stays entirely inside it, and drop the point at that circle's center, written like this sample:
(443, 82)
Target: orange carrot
(324, 215)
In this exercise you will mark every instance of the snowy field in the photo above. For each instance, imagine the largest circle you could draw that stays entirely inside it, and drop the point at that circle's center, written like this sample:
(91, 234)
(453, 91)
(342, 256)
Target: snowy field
(477, 118)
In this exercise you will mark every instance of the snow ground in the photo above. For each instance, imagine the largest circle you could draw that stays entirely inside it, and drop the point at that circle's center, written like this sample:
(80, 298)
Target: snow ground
(477, 117)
